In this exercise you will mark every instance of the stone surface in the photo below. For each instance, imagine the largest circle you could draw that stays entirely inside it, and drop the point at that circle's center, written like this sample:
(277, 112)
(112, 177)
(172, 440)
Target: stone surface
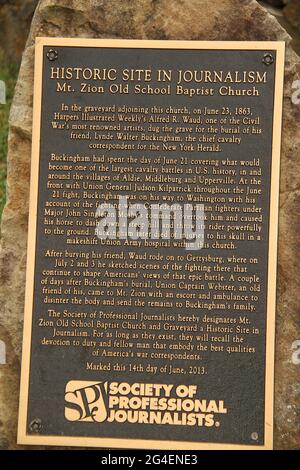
(287, 17)
(152, 19)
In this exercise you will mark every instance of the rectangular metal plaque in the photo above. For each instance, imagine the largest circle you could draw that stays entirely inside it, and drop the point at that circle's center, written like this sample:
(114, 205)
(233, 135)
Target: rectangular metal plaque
(140, 334)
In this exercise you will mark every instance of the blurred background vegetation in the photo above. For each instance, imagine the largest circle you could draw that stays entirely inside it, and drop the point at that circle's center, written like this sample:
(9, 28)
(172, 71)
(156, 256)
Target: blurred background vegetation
(8, 73)
(15, 19)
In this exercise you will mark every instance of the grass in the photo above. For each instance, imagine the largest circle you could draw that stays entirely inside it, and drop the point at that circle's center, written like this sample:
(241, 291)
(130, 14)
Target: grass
(8, 74)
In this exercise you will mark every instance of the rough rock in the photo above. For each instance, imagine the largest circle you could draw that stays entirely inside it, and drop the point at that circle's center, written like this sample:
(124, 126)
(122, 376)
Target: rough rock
(152, 19)
(288, 17)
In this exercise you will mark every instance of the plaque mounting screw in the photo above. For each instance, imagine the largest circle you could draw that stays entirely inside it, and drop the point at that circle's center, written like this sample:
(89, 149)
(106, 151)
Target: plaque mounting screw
(268, 59)
(254, 436)
(35, 426)
(52, 55)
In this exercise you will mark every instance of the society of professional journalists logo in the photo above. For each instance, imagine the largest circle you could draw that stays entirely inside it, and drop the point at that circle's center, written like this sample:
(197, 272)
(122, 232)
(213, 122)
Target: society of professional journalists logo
(143, 403)
(85, 401)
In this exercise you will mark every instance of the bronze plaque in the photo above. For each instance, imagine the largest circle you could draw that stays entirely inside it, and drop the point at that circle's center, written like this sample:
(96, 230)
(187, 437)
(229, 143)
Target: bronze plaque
(140, 334)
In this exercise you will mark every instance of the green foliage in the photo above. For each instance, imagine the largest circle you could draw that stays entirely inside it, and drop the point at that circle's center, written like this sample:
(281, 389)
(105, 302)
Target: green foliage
(8, 74)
